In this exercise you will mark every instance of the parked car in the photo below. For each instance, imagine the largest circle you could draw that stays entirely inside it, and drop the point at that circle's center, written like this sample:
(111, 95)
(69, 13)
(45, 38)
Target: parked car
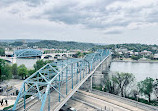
(66, 108)
(1, 89)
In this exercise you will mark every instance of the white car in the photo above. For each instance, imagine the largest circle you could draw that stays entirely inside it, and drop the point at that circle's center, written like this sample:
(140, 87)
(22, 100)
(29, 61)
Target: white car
(73, 109)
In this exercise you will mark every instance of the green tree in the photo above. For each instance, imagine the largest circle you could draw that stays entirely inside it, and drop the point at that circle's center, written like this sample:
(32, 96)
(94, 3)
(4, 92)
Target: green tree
(146, 87)
(17, 43)
(5, 70)
(79, 54)
(22, 71)
(156, 88)
(30, 72)
(39, 64)
(2, 65)
(14, 70)
(2, 51)
(135, 57)
(122, 80)
(110, 86)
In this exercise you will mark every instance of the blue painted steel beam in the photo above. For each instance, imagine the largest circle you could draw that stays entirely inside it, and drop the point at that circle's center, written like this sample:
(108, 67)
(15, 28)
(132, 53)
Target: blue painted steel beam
(54, 75)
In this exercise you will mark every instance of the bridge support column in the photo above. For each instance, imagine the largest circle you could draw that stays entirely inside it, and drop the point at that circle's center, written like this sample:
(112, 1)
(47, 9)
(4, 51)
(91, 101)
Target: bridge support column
(91, 80)
(13, 60)
(98, 79)
(49, 101)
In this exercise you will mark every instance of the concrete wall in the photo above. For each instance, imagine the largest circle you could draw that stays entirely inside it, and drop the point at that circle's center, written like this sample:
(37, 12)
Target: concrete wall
(99, 76)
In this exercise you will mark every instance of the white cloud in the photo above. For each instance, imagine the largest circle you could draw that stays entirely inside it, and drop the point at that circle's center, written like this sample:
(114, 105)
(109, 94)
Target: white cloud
(107, 17)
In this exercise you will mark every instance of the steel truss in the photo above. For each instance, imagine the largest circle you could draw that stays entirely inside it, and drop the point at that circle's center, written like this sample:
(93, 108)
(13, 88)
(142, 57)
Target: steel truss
(57, 77)
(27, 53)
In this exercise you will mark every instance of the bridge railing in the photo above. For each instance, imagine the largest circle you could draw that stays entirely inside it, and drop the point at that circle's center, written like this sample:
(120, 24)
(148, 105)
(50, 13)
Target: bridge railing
(60, 76)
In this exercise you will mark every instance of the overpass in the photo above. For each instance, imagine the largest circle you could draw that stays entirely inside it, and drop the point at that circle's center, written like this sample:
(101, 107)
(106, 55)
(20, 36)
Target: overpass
(51, 86)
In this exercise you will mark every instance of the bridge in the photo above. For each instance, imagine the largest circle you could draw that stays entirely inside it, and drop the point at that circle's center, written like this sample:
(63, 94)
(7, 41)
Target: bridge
(58, 55)
(51, 86)
(27, 53)
(9, 59)
(35, 53)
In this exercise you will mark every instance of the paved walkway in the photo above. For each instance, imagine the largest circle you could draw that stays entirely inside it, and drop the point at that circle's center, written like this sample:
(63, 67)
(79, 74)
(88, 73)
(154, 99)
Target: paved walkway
(10, 101)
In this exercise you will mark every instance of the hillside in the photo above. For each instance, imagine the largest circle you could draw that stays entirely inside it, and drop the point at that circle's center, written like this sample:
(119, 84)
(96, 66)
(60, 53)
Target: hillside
(61, 44)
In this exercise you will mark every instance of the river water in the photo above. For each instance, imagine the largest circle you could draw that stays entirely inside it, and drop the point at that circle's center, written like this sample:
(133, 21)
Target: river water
(28, 62)
(140, 70)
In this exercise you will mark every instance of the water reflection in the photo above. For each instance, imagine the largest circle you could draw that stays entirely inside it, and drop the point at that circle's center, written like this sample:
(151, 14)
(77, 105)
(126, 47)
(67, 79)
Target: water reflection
(140, 70)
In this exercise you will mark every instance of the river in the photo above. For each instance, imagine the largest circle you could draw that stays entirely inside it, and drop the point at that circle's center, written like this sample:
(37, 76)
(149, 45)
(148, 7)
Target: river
(28, 62)
(140, 70)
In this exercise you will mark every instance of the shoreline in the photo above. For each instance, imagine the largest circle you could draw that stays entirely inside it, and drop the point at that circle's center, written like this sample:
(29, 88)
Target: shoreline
(133, 61)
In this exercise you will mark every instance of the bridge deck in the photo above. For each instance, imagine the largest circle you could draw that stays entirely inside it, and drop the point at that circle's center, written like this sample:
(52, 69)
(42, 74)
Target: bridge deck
(55, 105)
(59, 82)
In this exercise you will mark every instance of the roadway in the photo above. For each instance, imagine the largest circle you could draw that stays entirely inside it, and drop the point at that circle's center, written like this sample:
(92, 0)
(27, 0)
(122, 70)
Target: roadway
(97, 100)
(102, 103)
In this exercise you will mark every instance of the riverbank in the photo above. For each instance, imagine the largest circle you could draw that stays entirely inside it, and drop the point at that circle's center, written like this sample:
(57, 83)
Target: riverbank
(136, 61)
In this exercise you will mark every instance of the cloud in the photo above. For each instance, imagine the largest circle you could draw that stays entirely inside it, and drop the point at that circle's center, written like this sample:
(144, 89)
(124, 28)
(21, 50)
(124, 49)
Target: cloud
(113, 32)
(92, 14)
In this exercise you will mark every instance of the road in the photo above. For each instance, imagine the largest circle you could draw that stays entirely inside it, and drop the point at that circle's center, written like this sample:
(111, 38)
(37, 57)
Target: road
(107, 102)
(102, 103)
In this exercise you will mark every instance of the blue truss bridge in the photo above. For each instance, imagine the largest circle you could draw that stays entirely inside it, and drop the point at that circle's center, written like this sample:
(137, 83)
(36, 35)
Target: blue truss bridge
(50, 87)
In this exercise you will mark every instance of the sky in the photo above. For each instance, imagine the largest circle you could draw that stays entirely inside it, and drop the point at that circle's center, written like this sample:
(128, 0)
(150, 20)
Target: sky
(95, 21)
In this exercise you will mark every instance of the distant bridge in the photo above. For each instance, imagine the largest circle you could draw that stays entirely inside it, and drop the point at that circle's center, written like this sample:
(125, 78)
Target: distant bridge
(57, 55)
(37, 53)
(50, 55)
(9, 59)
(27, 53)
(52, 85)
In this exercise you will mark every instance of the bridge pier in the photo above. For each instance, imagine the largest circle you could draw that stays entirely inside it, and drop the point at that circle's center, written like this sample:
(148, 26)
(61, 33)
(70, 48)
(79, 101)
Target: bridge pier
(99, 76)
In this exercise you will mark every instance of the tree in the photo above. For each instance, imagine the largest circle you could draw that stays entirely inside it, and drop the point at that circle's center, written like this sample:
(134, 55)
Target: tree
(17, 43)
(2, 65)
(79, 54)
(14, 70)
(30, 72)
(156, 88)
(146, 87)
(22, 71)
(39, 64)
(2, 51)
(123, 80)
(110, 86)
(5, 70)
(135, 57)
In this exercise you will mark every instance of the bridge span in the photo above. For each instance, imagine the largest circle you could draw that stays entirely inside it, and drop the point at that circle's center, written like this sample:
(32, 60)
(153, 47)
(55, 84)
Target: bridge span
(49, 55)
(58, 55)
(51, 87)
(9, 59)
